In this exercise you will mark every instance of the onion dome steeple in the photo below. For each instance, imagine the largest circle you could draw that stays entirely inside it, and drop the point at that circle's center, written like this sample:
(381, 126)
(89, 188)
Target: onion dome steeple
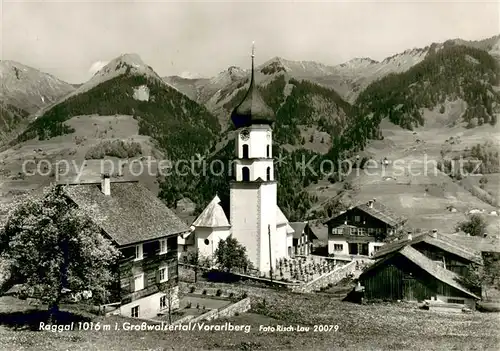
(253, 109)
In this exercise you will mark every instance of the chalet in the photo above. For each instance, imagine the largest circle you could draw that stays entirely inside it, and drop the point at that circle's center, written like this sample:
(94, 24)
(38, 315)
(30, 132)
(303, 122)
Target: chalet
(437, 247)
(303, 238)
(145, 231)
(406, 274)
(362, 230)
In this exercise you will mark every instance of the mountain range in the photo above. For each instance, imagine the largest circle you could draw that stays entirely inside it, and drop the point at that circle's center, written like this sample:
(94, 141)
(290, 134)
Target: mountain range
(332, 112)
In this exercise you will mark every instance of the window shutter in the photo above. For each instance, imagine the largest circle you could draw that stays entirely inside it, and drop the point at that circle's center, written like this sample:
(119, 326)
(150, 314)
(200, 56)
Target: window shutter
(157, 276)
(132, 284)
(145, 281)
(166, 273)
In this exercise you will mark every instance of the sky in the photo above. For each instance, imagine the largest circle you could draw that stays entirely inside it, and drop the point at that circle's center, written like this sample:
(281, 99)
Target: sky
(72, 39)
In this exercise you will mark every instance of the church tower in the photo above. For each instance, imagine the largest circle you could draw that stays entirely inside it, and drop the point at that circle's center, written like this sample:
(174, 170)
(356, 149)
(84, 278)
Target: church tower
(253, 193)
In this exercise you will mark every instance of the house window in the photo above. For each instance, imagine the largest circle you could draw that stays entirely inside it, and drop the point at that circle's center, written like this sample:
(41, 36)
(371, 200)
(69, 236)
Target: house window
(376, 248)
(362, 231)
(371, 230)
(138, 252)
(338, 247)
(139, 282)
(357, 218)
(163, 274)
(354, 231)
(134, 312)
(245, 151)
(268, 173)
(163, 302)
(163, 246)
(459, 301)
(245, 174)
(185, 247)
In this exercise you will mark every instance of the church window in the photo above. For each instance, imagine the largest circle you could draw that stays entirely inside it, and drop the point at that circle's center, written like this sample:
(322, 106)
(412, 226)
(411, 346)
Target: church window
(206, 242)
(268, 173)
(246, 174)
(245, 151)
(268, 151)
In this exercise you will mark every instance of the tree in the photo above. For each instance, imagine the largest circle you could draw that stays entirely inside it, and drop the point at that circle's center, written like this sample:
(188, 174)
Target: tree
(171, 294)
(53, 248)
(475, 226)
(231, 254)
(193, 258)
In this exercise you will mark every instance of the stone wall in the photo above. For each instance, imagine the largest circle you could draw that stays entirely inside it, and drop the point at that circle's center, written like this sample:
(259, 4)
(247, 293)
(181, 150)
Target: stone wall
(330, 278)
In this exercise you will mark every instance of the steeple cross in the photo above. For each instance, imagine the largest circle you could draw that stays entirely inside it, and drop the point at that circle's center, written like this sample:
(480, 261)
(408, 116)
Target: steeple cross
(253, 49)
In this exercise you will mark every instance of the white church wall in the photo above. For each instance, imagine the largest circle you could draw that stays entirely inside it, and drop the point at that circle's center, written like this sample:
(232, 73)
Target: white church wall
(257, 142)
(207, 239)
(257, 169)
(244, 199)
(289, 244)
(268, 195)
(281, 242)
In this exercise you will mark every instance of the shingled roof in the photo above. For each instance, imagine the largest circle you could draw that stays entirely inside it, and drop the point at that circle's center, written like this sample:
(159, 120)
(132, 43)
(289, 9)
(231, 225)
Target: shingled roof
(438, 240)
(448, 277)
(213, 216)
(382, 213)
(131, 214)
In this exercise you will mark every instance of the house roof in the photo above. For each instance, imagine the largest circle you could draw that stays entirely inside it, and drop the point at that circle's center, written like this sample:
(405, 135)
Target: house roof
(434, 269)
(379, 211)
(448, 277)
(441, 241)
(298, 228)
(131, 214)
(280, 217)
(382, 213)
(213, 216)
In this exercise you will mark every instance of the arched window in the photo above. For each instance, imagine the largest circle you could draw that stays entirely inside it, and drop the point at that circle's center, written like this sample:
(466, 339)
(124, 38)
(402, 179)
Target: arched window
(268, 173)
(245, 151)
(268, 151)
(246, 174)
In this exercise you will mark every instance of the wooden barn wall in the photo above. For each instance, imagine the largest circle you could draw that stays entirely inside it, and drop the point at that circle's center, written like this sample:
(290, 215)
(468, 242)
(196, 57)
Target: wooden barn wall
(454, 263)
(392, 281)
(149, 265)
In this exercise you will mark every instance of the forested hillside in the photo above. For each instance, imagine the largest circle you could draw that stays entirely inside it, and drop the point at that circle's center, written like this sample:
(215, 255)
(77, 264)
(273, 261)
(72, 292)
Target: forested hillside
(305, 104)
(179, 125)
(451, 73)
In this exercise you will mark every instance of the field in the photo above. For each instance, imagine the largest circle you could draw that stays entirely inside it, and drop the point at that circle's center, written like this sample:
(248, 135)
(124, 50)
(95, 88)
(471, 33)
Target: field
(360, 327)
(411, 185)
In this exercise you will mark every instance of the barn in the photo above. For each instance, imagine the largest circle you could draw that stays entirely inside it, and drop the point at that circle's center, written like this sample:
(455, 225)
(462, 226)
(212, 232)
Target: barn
(409, 275)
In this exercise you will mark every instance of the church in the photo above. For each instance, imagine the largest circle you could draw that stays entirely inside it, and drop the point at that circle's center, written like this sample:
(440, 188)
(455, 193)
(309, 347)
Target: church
(255, 219)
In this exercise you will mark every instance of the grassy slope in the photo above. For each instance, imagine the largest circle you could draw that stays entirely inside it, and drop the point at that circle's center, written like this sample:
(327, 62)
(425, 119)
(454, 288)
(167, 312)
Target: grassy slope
(374, 327)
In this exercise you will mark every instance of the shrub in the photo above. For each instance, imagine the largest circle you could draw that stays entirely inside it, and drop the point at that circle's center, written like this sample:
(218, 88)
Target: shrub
(244, 295)
(219, 292)
(192, 289)
(115, 148)
(204, 291)
(188, 305)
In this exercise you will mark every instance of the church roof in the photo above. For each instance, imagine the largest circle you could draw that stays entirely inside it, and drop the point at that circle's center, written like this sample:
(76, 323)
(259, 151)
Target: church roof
(252, 109)
(213, 216)
(280, 217)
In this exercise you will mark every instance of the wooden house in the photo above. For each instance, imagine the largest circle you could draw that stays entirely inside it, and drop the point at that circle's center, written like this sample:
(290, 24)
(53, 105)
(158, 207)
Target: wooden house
(439, 248)
(362, 230)
(409, 275)
(303, 238)
(145, 231)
